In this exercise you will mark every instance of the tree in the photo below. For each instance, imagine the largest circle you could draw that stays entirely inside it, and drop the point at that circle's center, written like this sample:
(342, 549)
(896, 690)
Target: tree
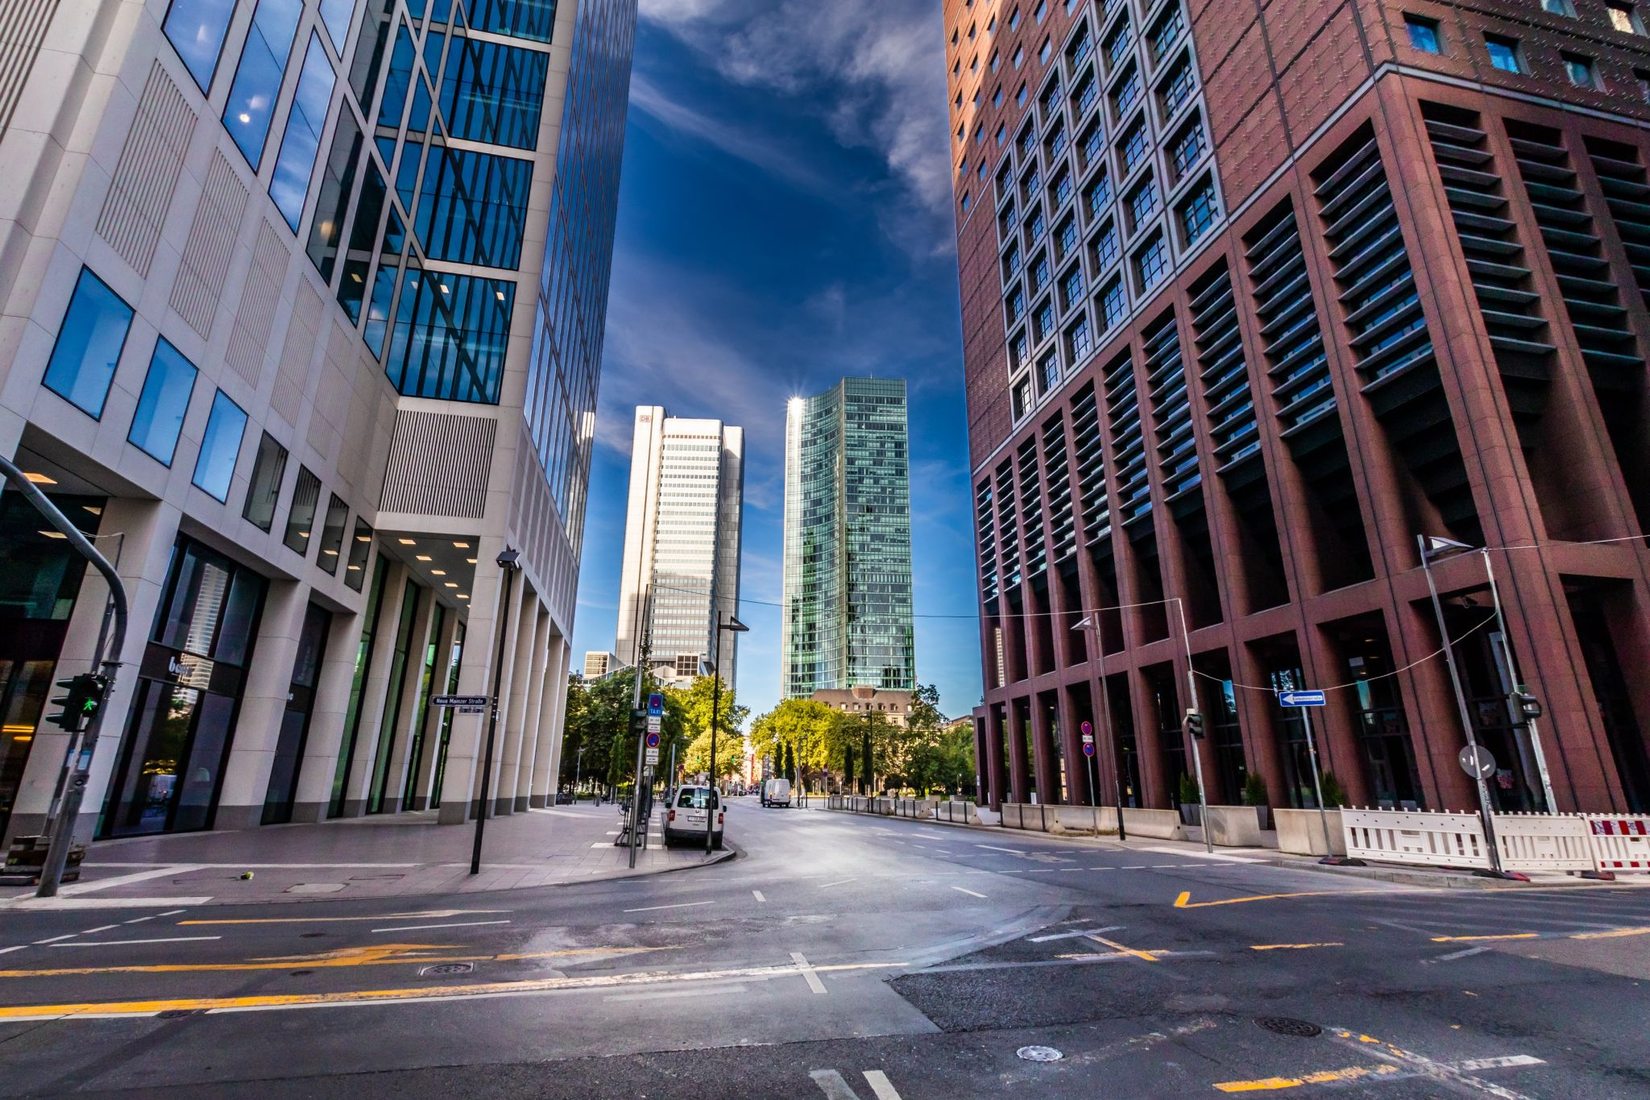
(695, 703)
(808, 727)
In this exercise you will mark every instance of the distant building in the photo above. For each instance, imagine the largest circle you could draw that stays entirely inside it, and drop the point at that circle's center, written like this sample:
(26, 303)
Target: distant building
(599, 665)
(846, 618)
(681, 545)
(893, 705)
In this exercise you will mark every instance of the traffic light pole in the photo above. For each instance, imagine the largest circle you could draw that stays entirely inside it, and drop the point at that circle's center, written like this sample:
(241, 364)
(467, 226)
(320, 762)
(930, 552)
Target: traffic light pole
(78, 764)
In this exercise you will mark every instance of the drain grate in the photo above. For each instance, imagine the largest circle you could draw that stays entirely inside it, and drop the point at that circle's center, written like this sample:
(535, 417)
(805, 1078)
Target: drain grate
(1039, 1054)
(1284, 1025)
(446, 970)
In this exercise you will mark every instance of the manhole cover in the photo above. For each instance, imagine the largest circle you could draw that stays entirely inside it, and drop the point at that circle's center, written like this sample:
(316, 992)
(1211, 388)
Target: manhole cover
(445, 970)
(315, 888)
(175, 1013)
(1039, 1054)
(1283, 1025)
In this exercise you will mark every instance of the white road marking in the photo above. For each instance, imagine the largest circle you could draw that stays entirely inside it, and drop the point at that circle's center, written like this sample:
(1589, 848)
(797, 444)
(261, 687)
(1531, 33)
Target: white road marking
(1200, 855)
(99, 928)
(1439, 1071)
(60, 902)
(970, 893)
(1074, 935)
(124, 943)
(423, 927)
(1507, 1061)
(170, 913)
(994, 848)
(758, 895)
(832, 1085)
(807, 972)
(835, 882)
(139, 920)
(54, 939)
(678, 905)
(880, 1085)
(1453, 955)
(9, 950)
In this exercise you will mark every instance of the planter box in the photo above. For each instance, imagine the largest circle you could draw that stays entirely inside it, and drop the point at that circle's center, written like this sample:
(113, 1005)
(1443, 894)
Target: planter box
(1083, 819)
(1300, 832)
(1234, 826)
(1156, 824)
(1191, 813)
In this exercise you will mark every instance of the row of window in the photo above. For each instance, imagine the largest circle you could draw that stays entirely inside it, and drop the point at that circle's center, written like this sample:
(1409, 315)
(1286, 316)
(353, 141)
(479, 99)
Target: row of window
(1507, 53)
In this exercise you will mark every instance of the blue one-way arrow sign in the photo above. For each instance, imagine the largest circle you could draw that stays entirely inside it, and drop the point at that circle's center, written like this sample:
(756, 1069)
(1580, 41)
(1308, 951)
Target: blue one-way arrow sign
(1300, 698)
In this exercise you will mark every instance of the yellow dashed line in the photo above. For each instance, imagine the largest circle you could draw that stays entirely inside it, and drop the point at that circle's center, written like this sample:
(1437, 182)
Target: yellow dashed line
(1477, 939)
(1324, 1077)
(1291, 946)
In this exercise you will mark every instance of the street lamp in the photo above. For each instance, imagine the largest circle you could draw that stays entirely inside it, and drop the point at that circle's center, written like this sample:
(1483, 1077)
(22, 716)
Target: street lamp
(734, 626)
(507, 562)
(1092, 624)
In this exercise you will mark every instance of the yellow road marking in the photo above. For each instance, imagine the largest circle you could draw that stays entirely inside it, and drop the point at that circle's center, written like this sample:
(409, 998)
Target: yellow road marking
(336, 920)
(1324, 1077)
(416, 993)
(386, 954)
(1291, 946)
(1184, 901)
(1146, 955)
(1475, 939)
(1615, 934)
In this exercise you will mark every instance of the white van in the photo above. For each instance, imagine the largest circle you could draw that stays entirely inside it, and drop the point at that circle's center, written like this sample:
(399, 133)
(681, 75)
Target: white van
(685, 819)
(776, 792)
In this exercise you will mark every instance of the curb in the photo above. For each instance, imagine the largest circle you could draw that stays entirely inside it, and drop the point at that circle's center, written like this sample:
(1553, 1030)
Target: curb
(729, 851)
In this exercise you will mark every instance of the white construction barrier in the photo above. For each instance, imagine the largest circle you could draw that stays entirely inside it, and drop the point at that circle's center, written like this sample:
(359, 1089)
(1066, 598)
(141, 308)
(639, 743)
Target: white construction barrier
(1428, 839)
(1544, 842)
(965, 813)
(1620, 842)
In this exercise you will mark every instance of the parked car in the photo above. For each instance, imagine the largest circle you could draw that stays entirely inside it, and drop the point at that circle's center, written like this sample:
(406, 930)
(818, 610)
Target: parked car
(685, 820)
(776, 792)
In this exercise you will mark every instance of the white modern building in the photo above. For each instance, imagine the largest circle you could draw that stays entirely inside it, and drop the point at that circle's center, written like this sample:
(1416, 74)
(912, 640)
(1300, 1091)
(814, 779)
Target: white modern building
(681, 545)
(301, 314)
(599, 665)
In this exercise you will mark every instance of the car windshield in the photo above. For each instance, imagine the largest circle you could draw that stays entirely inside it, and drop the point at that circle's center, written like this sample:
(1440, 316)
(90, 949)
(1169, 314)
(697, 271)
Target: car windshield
(693, 798)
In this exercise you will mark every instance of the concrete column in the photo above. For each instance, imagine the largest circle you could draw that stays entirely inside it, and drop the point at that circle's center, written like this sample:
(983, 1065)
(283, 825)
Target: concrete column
(507, 746)
(535, 738)
(463, 774)
(992, 769)
(319, 767)
(263, 705)
(375, 691)
(551, 725)
(427, 756)
(526, 678)
(141, 556)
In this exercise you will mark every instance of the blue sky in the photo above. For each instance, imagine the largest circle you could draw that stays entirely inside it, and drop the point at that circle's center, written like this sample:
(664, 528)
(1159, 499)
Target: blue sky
(784, 221)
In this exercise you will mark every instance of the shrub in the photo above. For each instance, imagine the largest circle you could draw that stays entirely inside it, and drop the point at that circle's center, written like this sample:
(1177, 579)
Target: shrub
(1254, 790)
(1188, 790)
(1333, 795)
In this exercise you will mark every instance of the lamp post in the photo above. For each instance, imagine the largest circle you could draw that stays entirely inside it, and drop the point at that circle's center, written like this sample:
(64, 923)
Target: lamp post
(506, 561)
(1091, 624)
(733, 625)
(578, 770)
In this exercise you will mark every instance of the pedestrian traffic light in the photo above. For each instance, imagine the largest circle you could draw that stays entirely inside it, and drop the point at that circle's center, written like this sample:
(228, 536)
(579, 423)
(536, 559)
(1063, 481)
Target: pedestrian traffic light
(1528, 705)
(83, 695)
(1194, 723)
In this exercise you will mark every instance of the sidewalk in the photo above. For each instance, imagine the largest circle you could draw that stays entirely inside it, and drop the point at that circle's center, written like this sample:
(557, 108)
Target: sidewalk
(397, 855)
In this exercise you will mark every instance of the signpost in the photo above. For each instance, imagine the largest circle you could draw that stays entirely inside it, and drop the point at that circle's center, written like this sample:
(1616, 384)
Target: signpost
(1476, 761)
(1304, 700)
(461, 700)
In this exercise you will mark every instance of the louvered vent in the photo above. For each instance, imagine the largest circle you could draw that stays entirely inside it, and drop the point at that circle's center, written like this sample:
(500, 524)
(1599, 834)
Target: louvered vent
(1031, 510)
(254, 317)
(1062, 521)
(1172, 413)
(439, 464)
(1091, 465)
(1296, 363)
(988, 540)
(205, 261)
(23, 26)
(146, 175)
(1128, 441)
(1008, 532)
(1621, 177)
(1233, 430)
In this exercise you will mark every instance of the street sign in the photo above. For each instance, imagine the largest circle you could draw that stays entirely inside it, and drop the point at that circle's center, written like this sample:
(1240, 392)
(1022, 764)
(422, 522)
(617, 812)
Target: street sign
(653, 723)
(653, 739)
(655, 705)
(1088, 746)
(1087, 728)
(1300, 698)
(461, 700)
(472, 710)
(651, 758)
(1476, 761)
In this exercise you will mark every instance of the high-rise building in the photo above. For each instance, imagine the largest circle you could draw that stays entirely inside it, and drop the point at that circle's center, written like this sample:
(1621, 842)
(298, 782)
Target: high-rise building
(599, 665)
(301, 304)
(846, 616)
(1255, 296)
(681, 545)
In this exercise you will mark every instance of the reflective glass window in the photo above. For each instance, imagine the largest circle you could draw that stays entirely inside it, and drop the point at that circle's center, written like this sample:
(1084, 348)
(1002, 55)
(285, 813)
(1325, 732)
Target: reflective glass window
(492, 93)
(360, 551)
(220, 447)
(196, 29)
(378, 307)
(257, 83)
(265, 488)
(519, 18)
(295, 162)
(336, 14)
(300, 517)
(332, 535)
(162, 404)
(449, 335)
(398, 79)
(89, 343)
(473, 207)
(337, 182)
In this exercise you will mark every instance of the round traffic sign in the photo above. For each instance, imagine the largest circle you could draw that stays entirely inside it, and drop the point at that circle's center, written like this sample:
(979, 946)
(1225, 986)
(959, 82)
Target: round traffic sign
(1088, 746)
(653, 740)
(1087, 728)
(1476, 761)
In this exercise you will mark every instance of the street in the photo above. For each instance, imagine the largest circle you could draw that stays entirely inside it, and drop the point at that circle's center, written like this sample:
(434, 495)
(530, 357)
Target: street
(848, 957)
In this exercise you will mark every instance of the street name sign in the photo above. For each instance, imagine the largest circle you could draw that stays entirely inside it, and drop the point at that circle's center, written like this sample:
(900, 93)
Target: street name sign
(1301, 698)
(461, 700)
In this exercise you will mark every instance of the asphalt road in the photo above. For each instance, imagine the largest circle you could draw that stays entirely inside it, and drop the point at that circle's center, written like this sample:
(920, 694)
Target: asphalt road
(846, 957)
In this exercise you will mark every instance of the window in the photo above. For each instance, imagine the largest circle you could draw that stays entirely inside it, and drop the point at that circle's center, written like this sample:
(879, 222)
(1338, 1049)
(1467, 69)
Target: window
(300, 517)
(1049, 370)
(1559, 7)
(1032, 183)
(1098, 196)
(1061, 189)
(1043, 322)
(1504, 53)
(997, 97)
(1151, 264)
(295, 162)
(1085, 95)
(251, 103)
(1106, 249)
(268, 466)
(449, 335)
(1118, 42)
(1035, 227)
(1011, 263)
(1126, 94)
(1580, 70)
(1178, 88)
(1625, 18)
(473, 207)
(1014, 20)
(1198, 212)
(196, 29)
(1002, 134)
(163, 403)
(1166, 31)
(1045, 50)
(1066, 238)
(1039, 274)
(1017, 348)
(1094, 143)
(1041, 10)
(1188, 148)
(220, 447)
(1080, 49)
(1143, 202)
(332, 535)
(1016, 306)
(1022, 397)
(1423, 34)
(1071, 288)
(89, 344)
(1057, 143)
(1643, 80)
(360, 550)
(490, 92)
(336, 15)
(965, 201)
(1134, 146)
(1078, 341)
(1114, 304)
(1028, 144)
(1019, 56)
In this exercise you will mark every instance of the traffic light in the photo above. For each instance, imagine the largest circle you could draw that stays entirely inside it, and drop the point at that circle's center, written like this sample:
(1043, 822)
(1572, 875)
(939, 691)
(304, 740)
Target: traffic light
(638, 721)
(1194, 723)
(1529, 707)
(83, 695)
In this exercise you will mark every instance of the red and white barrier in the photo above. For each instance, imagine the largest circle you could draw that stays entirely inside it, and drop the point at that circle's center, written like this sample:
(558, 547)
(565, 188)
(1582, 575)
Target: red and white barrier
(1621, 842)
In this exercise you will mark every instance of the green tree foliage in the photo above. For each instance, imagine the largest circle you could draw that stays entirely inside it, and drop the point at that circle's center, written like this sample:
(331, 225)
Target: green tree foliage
(695, 702)
(598, 719)
(810, 728)
(925, 755)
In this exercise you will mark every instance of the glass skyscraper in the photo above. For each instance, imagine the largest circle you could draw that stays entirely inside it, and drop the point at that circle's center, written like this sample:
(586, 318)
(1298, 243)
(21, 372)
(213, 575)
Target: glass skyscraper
(846, 619)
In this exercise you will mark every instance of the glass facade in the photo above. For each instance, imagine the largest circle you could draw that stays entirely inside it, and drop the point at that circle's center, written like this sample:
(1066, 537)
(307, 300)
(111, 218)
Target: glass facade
(163, 403)
(196, 29)
(89, 344)
(846, 619)
(295, 162)
(251, 103)
(220, 447)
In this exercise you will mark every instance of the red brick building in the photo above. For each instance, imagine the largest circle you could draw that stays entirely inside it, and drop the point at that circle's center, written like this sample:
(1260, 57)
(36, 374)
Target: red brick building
(1254, 294)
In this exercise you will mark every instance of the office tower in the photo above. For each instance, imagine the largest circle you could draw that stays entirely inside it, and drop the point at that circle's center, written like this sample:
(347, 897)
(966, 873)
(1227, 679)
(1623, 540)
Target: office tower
(1254, 296)
(599, 665)
(681, 545)
(303, 305)
(846, 619)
